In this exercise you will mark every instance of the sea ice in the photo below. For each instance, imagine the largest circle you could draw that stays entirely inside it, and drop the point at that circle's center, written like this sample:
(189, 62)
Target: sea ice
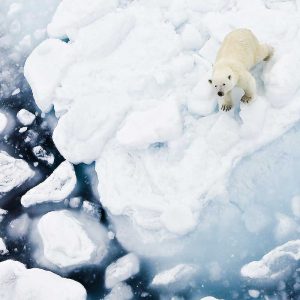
(175, 279)
(275, 266)
(25, 117)
(13, 172)
(3, 249)
(43, 155)
(55, 188)
(121, 291)
(17, 282)
(121, 270)
(69, 240)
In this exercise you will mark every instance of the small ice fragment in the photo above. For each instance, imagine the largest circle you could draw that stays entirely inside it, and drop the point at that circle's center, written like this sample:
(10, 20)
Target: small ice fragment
(124, 268)
(16, 92)
(43, 155)
(25, 117)
(3, 249)
(22, 129)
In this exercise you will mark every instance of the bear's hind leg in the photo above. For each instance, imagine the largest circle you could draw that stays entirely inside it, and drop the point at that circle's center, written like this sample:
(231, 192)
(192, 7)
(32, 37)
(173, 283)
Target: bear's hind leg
(264, 53)
(227, 103)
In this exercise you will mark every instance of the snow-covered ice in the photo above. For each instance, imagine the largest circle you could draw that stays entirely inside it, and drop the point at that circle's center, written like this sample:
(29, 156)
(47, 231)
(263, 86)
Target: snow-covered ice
(277, 265)
(13, 172)
(177, 278)
(121, 291)
(25, 117)
(19, 227)
(55, 188)
(17, 282)
(3, 121)
(43, 155)
(3, 249)
(69, 240)
(121, 270)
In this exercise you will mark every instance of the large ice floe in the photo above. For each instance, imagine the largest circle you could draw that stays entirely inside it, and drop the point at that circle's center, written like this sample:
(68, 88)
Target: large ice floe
(130, 91)
(67, 240)
(17, 282)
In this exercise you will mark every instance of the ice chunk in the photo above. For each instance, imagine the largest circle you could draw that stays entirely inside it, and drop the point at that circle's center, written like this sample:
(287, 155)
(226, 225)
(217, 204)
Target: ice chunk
(25, 117)
(16, 92)
(121, 270)
(75, 202)
(3, 121)
(175, 279)
(209, 298)
(51, 55)
(286, 228)
(70, 240)
(17, 282)
(72, 15)
(277, 265)
(18, 228)
(161, 123)
(3, 249)
(3, 213)
(13, 172)
(254, 293)
(55, 188)
(43, 155)
(121, 291)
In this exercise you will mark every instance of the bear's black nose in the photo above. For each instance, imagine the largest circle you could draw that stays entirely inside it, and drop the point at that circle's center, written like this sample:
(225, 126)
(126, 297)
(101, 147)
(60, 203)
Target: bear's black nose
(220, 94)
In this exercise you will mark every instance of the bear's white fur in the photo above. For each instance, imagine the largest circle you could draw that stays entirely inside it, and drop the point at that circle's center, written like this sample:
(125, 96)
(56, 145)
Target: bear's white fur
(239, 52)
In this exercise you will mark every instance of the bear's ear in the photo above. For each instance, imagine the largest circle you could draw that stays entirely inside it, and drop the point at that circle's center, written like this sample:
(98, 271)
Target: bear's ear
(210, 81)
(229, 77)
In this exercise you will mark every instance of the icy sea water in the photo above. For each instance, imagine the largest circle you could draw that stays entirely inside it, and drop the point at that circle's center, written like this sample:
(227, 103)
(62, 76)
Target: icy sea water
(272, 177)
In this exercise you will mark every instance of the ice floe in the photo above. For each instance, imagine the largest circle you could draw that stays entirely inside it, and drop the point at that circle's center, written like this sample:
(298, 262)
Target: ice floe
(277, 265)
(25, 117)
(17, 282)
(69, 240)
(121, 270)
(55, 188)
(13, 172)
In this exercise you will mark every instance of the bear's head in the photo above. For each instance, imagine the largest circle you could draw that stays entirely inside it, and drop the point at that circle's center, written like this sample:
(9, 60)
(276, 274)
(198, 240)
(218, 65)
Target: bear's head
(223, 80)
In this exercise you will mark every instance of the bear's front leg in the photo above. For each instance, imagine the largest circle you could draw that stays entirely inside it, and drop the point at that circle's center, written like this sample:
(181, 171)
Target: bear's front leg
(227, 103)
(248, 84)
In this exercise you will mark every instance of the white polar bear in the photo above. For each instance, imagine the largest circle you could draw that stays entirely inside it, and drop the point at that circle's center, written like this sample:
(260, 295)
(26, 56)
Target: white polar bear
(239, 52)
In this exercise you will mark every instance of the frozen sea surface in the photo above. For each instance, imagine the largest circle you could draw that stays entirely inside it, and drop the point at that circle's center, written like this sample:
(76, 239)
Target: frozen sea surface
(194, 202)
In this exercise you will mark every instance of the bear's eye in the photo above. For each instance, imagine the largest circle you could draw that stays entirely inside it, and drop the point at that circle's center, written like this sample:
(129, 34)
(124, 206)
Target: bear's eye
(224, 84)
(215, 86)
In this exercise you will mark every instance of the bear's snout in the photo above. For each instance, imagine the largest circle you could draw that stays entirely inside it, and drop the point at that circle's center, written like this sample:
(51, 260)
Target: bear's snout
(221, 94)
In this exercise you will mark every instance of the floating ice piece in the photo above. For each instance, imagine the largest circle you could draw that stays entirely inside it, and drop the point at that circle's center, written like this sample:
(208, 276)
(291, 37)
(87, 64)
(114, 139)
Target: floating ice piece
(18, 228)
(75, 202)
(22, 129)
(69, 240)
(55, 188)
(72, 15)
(43, 155)
(161, 123)
(209, 298)
(3, 249)
(286, 228)
(175, 279)
(3, 213)
(275, 266)
(16, 92)
(25, 117)
(17, 282)
(13, 172)
(42, 58)
(3, 121)
(121, 270)
(121, 291)
(254, 293)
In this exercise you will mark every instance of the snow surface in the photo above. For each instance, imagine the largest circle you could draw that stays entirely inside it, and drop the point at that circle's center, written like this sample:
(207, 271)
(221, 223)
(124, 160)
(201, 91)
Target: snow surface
(13, 172)
(69, 240)
(131, 92)
(121, 270)
(17, 282)
(275, 266)
(55, 188)
(25, 117)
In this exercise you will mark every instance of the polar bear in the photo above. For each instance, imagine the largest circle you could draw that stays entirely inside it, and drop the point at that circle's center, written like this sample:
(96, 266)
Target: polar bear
(239, 52)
